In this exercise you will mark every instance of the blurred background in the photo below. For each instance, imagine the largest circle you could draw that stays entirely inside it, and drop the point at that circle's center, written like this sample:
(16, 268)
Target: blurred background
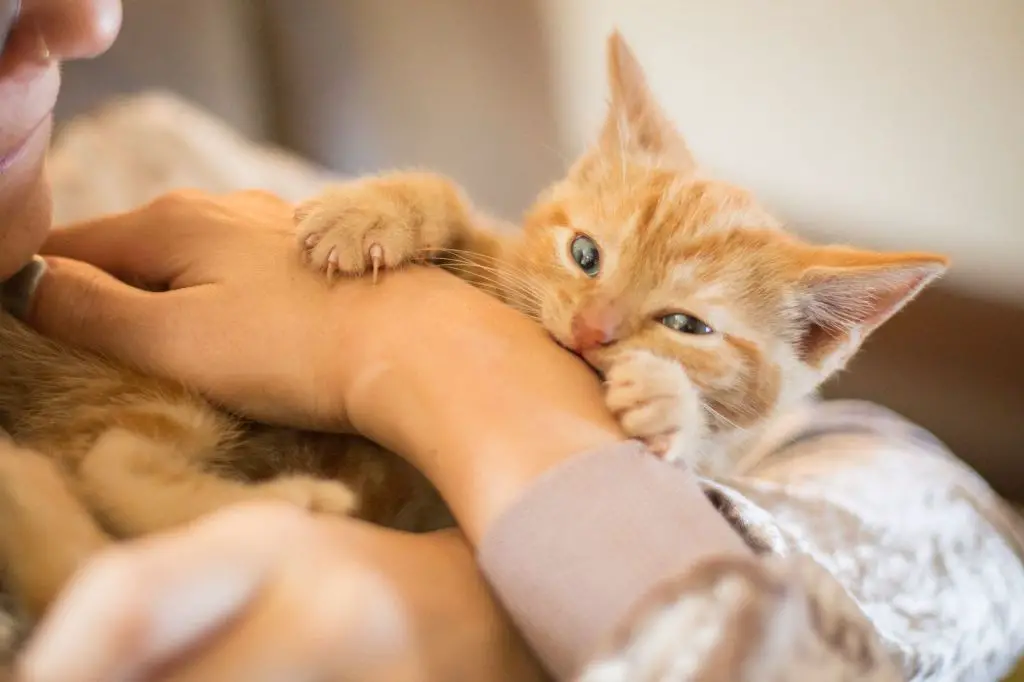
(887, 123)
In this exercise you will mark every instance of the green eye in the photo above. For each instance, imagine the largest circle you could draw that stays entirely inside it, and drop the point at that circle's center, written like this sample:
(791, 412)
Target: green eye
(586, 254)
(686, 324)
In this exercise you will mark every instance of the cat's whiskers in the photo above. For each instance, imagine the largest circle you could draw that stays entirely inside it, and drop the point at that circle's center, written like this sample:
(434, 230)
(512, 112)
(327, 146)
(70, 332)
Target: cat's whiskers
(483, 259)
(491, 284)
(744, 409)
(502, 274)
(526, 301)
(721, 417)
(498, 275)
(495, 281)
(524, 292)
(558, 153)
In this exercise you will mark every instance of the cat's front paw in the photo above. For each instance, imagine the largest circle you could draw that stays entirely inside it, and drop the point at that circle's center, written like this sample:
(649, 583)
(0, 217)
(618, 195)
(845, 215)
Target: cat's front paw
(313, 494)
(357, 227)
(655, 402)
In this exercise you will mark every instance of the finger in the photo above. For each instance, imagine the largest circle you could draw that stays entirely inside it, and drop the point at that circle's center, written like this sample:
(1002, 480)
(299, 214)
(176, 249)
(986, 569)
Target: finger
(136, 608)
(123, 248)
(260, 200)
(344, 622)
(153, 244)
(74, 29)
(81, 305)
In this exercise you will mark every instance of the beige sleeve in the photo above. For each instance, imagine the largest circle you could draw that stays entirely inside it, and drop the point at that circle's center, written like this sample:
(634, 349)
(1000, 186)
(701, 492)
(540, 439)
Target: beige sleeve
(590, 540)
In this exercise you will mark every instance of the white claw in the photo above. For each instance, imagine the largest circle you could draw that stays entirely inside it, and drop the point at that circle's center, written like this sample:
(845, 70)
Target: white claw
(376, 252)
(332, 264)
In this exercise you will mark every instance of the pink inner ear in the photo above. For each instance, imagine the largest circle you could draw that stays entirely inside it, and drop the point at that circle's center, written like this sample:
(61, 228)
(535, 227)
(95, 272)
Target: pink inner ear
(845, 305)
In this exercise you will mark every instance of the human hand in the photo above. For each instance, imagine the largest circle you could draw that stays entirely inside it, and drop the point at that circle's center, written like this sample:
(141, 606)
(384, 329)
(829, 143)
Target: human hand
(267, 593)
(240, 320)
(467, 389)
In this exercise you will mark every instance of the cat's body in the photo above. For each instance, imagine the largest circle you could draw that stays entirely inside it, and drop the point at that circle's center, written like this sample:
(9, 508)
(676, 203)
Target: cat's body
(704, 317)
(143, 455)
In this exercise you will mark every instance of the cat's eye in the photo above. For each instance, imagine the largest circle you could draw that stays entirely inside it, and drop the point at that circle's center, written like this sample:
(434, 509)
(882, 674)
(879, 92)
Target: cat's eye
(686, 324)
(586, 254)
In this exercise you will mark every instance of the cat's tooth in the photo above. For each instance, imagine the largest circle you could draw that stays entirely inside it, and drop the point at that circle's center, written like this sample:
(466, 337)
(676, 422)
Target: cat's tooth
(312, 240)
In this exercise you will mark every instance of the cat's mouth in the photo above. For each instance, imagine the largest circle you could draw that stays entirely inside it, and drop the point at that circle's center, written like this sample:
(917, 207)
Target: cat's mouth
(581, 355)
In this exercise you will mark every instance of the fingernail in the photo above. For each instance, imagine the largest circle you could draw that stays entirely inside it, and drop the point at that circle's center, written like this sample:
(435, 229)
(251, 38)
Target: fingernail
(17, 292)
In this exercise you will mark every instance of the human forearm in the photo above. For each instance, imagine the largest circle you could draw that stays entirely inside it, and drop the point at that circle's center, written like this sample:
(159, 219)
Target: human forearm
(574, 524)
(487, 403)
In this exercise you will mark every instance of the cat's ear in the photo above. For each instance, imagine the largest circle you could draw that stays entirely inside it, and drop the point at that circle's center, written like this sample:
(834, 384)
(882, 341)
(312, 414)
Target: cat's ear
(635, 125)
(845, 294)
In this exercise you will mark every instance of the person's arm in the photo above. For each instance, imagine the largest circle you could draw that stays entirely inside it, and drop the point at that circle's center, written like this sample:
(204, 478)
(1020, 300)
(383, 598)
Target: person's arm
(471, 392)
(574, 525)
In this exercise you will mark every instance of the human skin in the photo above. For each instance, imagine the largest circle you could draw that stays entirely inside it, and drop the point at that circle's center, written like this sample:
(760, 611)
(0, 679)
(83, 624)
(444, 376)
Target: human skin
(82, 306)
(488, 332)
(239, 316)
(29, 83)
(254, 330)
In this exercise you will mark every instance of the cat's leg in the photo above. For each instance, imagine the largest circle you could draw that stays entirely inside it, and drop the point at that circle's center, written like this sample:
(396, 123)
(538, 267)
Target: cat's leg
(656, 402)
(137, 486)
(45, 532)
(387, 221)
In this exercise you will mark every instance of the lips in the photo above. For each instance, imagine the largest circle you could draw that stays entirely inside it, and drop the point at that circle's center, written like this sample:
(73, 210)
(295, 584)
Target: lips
(12, 156)
(29, 91)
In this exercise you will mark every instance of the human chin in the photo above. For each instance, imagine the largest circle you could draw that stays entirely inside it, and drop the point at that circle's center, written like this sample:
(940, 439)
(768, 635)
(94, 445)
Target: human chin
(25, 207)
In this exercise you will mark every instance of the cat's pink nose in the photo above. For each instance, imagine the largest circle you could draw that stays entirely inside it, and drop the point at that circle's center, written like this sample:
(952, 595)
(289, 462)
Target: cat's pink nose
(593, 327)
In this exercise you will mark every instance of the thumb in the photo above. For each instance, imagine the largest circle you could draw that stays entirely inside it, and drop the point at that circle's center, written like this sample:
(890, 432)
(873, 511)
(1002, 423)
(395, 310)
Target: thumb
(81, 305)
(132, 610)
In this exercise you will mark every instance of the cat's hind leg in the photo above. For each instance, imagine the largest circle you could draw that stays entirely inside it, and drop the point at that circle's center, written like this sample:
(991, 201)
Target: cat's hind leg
(139, 485)
(45, 532)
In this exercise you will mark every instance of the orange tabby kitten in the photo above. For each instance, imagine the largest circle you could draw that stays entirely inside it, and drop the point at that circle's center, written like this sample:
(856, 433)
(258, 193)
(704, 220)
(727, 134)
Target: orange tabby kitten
(139, 455)
(703, 315)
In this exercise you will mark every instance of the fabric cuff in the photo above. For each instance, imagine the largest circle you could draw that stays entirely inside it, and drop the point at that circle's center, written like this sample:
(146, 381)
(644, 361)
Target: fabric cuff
(589, 540)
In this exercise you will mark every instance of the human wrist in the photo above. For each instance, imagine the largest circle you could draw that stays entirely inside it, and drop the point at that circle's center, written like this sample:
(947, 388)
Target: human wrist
(481, 400)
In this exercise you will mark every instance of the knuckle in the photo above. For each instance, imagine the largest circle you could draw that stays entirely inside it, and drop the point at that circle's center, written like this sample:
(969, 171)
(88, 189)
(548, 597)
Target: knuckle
(175, 203)
(259, 198)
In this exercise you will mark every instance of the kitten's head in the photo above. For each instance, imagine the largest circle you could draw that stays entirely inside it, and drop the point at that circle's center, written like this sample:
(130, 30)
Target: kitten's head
(636, 249)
